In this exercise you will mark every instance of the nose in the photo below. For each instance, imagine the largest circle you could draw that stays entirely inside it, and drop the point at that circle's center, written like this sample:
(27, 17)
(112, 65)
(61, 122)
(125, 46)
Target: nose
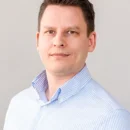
(59, 40)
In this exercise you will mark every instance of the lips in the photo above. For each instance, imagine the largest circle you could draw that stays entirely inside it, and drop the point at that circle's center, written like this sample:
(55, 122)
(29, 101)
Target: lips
(59, 54)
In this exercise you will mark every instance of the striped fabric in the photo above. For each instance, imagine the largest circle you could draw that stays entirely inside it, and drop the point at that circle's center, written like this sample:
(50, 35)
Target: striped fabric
(80, 104)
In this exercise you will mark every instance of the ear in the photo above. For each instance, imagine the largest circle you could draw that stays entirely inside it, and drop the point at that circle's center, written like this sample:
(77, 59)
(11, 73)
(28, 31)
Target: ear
(37, 40)
(92, 41)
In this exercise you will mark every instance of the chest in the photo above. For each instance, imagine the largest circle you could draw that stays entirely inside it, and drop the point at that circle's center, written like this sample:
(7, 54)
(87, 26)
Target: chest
(69, 119)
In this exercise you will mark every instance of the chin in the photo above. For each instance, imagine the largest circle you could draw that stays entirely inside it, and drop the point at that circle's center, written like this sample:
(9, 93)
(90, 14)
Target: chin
(60, 69)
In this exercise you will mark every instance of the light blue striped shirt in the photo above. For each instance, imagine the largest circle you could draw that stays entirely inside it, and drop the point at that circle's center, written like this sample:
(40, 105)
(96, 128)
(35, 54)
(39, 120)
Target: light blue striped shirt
(80, 104)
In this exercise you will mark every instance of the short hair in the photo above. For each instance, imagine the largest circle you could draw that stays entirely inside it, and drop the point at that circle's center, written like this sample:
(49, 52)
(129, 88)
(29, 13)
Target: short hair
(85, 5)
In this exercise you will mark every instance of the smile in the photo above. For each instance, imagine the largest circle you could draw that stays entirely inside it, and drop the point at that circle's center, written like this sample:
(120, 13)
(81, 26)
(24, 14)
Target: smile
(59, 54)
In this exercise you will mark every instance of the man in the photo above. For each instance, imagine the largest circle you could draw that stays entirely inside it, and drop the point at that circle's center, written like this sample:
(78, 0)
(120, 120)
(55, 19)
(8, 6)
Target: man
(64, 96)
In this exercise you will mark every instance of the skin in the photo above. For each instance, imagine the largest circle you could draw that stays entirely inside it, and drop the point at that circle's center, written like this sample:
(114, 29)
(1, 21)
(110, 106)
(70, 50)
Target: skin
(63, 44)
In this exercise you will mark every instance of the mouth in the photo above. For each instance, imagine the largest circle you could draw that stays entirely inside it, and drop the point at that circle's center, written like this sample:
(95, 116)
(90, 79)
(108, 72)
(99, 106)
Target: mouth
(59, 55)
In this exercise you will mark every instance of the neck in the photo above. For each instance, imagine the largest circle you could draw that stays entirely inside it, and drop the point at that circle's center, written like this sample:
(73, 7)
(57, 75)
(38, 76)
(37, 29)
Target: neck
(54, 82)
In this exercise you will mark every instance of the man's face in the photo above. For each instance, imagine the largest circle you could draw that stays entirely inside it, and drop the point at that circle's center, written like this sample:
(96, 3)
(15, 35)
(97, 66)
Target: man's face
(63, 43)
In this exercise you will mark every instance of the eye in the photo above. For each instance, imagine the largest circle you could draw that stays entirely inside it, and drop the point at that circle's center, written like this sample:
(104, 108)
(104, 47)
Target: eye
(50, 32)
(72, 32)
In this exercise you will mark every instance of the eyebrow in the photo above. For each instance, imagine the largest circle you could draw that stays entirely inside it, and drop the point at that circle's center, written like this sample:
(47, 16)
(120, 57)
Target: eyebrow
(73, 28)
(67, 28)
(48, 27)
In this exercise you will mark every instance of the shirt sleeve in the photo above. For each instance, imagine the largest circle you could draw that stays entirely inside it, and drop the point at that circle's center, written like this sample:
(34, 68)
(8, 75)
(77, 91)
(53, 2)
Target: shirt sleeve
(117, 120)
(8, 125)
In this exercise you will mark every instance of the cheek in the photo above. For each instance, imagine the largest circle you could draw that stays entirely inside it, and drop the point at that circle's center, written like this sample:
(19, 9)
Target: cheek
(82, 53)
(44, 44)
(79, 48)
(43, 49)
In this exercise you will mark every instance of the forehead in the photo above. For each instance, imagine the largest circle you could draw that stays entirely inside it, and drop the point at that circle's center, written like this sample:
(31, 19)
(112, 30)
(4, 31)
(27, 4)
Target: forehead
(63, 16)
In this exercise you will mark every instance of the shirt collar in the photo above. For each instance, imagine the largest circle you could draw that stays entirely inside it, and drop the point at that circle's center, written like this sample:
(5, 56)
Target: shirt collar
(75, 84)
(68, 89)
(40, 83)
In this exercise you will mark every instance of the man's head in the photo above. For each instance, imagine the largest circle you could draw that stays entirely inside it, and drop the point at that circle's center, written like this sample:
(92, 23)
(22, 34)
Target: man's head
(85, 5)
(65, 35)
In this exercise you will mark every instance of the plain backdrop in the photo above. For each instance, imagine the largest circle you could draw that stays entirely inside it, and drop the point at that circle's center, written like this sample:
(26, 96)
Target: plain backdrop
(20, 63)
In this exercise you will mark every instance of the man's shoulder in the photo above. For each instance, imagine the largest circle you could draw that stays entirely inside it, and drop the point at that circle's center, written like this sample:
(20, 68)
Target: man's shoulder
(101, 97)
(22, 108)
(118, 119)
(102, 104)
(28, 94)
